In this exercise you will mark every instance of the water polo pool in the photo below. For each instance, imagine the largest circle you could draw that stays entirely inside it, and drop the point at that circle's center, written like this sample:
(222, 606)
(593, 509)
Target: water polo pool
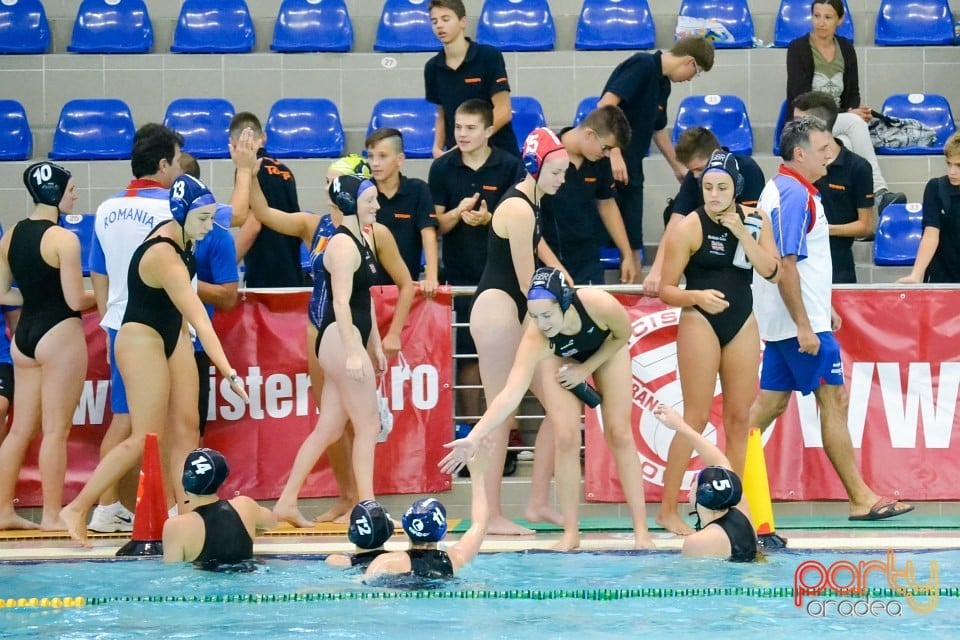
(501, 595)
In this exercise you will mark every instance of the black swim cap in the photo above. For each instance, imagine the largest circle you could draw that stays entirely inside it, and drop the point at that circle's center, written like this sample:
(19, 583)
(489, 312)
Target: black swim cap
(204, 471)
(369, 525)
(718, 488)
(46, 182)
(549, 282)
(345, 192)
(724, 161)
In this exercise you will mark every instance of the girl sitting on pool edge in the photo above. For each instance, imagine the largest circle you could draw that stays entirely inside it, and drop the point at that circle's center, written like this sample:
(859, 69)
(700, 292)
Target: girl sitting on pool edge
(723, 528)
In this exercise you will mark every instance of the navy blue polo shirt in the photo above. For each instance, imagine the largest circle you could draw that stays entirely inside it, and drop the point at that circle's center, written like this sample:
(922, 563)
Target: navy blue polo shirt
(405, 214)
(570, 221)
(643, 92)
(848, 186)
(941, 210)
(465, 246)
(690, 196)
(482, 74)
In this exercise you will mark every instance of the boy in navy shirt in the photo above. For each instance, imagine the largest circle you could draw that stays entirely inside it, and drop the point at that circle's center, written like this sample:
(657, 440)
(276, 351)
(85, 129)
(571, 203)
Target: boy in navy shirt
(465, 70)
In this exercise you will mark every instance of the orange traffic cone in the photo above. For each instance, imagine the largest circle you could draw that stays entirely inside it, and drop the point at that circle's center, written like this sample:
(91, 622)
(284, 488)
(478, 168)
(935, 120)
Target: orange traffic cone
(151, 509)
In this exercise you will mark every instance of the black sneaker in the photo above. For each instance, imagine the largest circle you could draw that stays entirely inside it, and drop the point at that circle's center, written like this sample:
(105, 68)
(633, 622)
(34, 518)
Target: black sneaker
(885, 197)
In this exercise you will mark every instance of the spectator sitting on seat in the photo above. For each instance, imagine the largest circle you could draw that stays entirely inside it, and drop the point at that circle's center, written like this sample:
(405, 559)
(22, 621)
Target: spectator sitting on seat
(938, 257)
(824, 61)
(846, 190)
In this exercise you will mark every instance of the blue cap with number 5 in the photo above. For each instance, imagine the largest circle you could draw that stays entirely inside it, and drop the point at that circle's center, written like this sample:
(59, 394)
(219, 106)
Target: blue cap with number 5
(204, 471)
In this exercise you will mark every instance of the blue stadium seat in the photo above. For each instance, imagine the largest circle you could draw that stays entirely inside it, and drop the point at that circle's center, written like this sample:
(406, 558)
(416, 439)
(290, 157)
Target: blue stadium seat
(527, 116)
(82, 225)
(23, 27)
(931, 109)
(204, 124)
(795, 19)
(734, 15)
(312, 25)
(108, 26)
(517, 25)
(304, 128)
(405, 26)
(781, 120)
(213, 26)
(615, 24)
(918, 22)
(725, 115)
(414, 117)
(586, 105)
(93, 129)
(610, 258)
(898, 234)
(16, 140)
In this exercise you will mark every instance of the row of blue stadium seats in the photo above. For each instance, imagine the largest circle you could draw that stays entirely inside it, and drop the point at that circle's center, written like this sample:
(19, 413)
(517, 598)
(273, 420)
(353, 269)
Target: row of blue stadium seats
(225, 26)
(895, 244)
(103, 128)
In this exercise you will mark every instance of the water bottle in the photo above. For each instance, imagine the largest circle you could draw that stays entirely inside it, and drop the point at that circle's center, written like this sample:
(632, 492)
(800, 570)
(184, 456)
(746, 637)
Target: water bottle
(753, 223)
(588, 394)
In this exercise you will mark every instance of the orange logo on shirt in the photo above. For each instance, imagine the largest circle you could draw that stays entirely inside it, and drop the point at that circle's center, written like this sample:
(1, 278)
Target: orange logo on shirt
(589, 179)
(472, 80)
(402, 216)
(277, 171)
(836, 187)
(489, 187)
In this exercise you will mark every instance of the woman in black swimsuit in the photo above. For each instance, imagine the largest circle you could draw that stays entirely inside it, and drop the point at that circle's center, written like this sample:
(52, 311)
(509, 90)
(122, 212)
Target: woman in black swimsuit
(717, 333)
(49, 348)
(348, 347)
(575, 334)
(500, 305)
(153, 348)
(724, 529)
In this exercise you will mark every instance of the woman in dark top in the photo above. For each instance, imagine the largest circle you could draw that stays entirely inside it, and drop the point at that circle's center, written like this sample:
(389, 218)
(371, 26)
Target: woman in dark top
(49, 348)
(500, 305)
(724, 529)
(575, 335)
(215, 534)
(153, 348)
(348, 345)
(718, 332)
(823, 61)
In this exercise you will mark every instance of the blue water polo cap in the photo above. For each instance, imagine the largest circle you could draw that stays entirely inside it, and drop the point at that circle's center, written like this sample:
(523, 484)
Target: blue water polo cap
(204, 471)
(425, 520)
(186, 194)
(369, 525)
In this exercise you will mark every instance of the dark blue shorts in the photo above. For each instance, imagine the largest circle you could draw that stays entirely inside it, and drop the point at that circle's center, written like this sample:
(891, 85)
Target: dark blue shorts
(786, 369)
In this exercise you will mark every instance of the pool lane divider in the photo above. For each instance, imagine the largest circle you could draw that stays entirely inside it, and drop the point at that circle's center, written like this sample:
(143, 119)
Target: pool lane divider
(514, 594)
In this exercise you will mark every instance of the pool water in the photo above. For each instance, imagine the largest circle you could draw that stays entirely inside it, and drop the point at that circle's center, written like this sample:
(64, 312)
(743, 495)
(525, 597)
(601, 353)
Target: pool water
(505, 595)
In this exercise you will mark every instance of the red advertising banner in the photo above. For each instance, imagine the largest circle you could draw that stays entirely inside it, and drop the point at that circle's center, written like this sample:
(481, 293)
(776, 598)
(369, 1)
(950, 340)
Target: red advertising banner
(901, 356)
(265, 338)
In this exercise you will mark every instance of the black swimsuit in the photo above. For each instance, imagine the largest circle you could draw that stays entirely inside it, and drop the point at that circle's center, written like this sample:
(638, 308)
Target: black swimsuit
(152, 306)
(743, 539)
(360, 307)
(585, 343)
(711, 267)
(44, 305)
(364, 558)
(430, 563)
(226, 544)
(499, 272)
